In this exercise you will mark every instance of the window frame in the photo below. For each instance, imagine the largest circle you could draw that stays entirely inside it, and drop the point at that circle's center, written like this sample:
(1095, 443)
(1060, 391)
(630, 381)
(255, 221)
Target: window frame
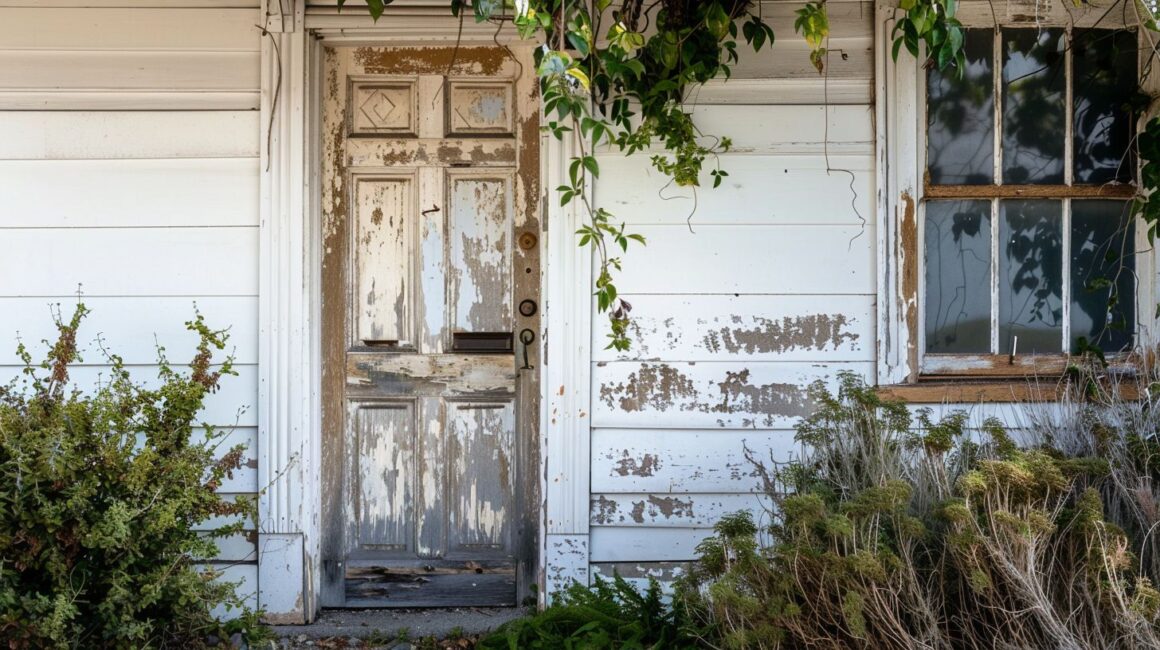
(904, 189)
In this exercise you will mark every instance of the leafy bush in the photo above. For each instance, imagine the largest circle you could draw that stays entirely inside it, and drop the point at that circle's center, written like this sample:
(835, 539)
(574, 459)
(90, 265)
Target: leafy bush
(610, 614)
(890, 533)
(98, 495)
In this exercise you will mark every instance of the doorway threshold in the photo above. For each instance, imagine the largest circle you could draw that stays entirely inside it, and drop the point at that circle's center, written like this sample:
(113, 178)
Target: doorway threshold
(393, 628)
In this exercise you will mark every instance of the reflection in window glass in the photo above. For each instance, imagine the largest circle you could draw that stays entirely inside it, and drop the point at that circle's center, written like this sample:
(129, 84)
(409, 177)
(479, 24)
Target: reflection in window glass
(1103, 285)
(1030, 277)
(1103, 87)
(961, 116)
(1033, 105)
(958, 276)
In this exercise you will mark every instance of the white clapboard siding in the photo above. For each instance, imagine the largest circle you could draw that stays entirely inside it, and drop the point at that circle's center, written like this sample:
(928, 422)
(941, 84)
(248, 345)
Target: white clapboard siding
(1014, 415)
(190, 192)
(666, 461)
(130, 262)
(791, 129)
(640, 544)
(219, 521)
(745, 327)
(782, 189)
(670, 510)
(131, 56)
(641, 575)
(102, 70)
(231, 406)
(137, 100)
(100, 135)
(240, 547)
(125, 28)
(145, 4)
(129, 193)
(245, 576)
(132, 327)
(724, 394)
(799, 259)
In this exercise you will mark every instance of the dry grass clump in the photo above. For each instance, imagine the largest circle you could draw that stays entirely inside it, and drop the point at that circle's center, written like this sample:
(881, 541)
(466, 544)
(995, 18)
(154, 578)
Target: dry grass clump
(895, 531)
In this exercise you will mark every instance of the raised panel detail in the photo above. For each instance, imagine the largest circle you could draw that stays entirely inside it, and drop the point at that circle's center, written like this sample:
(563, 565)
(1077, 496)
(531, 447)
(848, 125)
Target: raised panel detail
(383, 108)
(480, 443)
(382, 265)
(385, 459)
(480, 237)
(480, 108)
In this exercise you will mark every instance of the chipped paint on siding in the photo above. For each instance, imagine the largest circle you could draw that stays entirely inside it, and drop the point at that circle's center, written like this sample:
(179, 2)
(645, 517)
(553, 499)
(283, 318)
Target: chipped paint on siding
(810, 332)
(661, 387)
(647, 465)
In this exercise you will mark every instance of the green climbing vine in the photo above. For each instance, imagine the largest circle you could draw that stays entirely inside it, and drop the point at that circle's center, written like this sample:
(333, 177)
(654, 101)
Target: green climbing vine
(614, 74)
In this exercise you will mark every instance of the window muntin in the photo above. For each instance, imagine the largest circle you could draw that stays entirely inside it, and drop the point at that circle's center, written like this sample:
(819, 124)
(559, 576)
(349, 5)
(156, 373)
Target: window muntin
(1017, 258)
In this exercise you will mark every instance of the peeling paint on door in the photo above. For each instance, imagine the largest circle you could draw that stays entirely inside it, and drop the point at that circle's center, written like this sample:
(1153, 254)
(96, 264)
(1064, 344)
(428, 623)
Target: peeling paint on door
(429, 486)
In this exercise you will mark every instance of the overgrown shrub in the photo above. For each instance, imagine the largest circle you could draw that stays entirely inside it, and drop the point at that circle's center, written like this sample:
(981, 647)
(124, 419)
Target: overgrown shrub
(893, 533)
(610, 614)
(99, 492)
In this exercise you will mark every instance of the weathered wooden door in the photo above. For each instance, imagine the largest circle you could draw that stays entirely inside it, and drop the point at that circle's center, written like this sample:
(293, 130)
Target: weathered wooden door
(430, 281)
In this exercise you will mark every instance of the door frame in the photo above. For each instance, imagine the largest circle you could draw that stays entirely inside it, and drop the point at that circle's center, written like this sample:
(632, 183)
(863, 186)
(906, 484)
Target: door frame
(290, 393)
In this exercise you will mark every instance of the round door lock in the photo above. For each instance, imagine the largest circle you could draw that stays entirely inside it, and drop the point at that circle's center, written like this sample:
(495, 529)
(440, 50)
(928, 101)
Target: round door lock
(528, 308)
(528, 241)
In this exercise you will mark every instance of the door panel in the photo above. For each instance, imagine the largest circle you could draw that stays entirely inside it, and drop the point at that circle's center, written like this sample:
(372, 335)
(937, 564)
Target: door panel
(430, 406)
(480, 235)
(480, 446)
(382, 246)
(384, 467)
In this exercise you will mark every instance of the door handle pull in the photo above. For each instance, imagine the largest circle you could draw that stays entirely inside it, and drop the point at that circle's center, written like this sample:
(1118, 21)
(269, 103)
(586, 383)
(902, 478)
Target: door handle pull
(527, 336)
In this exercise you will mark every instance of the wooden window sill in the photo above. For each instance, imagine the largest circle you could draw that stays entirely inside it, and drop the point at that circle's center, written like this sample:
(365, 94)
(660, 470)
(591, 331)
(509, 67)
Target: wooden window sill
(966, 391)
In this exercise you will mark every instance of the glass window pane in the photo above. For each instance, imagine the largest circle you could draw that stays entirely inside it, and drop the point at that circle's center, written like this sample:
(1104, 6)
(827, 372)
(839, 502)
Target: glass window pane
(1033, 110)
(957, 259)
(1103, 283)
(1103, 89)
(1030, 277)
(960, 144)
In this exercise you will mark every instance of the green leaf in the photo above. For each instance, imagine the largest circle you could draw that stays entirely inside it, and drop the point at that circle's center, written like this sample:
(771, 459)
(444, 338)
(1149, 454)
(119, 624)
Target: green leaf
(591, 166)
(375, 7)
(717, 21)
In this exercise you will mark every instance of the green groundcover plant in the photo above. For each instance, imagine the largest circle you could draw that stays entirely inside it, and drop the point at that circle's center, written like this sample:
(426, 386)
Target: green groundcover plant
(99, 494)
(610, 614)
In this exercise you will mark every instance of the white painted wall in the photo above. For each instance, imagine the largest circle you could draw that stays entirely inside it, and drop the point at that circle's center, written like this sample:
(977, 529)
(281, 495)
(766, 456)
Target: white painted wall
(766, 287)
(129, 167)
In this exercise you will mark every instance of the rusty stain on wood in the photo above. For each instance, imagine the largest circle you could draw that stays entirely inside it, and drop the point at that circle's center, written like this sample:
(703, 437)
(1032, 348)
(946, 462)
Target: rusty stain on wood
(908, 296)
(810, 332)
(430, 152)
(1108, 191)
(432, 60)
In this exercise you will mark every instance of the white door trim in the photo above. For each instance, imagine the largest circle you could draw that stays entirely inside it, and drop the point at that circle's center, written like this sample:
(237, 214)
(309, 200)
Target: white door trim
(289, 413)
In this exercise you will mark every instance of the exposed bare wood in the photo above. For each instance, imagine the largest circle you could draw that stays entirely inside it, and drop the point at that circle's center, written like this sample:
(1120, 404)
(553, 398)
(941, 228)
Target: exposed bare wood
(1109, 191)
(1002, 365)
